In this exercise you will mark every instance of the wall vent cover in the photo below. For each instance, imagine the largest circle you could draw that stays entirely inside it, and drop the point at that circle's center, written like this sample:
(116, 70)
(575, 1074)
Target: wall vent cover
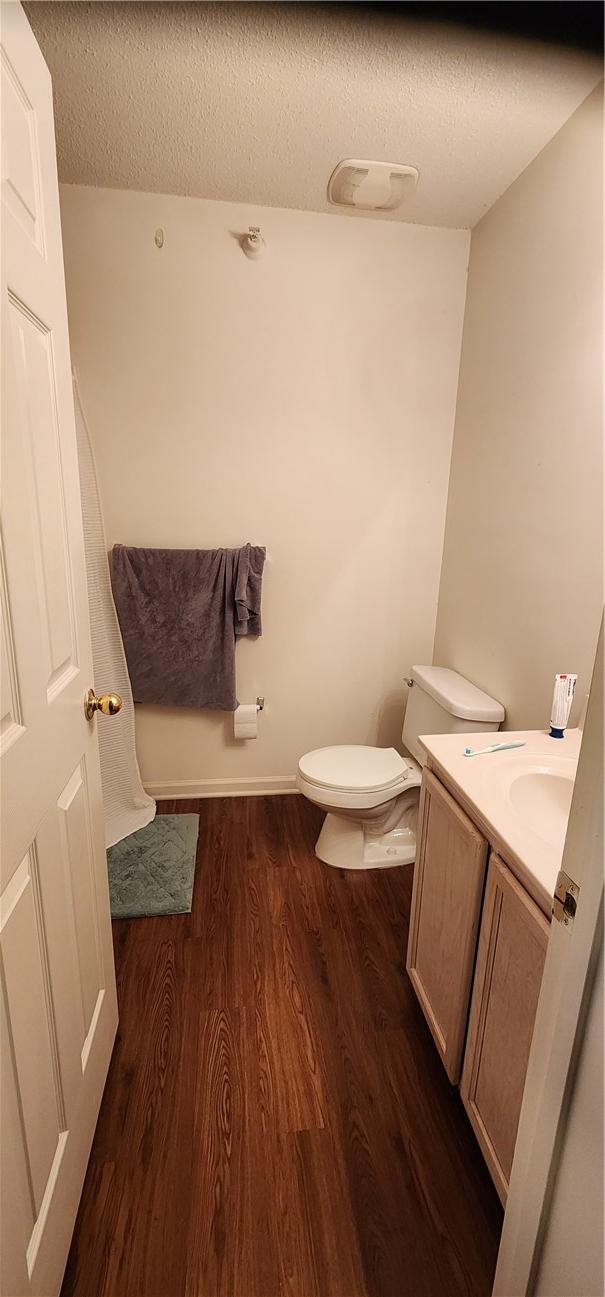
(371, 186)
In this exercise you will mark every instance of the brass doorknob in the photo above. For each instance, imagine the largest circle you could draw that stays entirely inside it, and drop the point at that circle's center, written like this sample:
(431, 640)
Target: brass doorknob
(108, 704)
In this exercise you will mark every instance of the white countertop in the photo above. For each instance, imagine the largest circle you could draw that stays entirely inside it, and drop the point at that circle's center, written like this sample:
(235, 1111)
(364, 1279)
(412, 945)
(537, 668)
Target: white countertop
(482, 785)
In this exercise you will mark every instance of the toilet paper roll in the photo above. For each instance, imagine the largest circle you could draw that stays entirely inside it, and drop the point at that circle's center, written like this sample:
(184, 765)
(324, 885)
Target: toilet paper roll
(245, 721)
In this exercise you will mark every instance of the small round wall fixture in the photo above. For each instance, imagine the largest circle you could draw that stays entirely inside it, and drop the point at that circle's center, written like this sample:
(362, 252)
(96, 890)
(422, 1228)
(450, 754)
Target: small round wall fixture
(252, 243)
(371, 186)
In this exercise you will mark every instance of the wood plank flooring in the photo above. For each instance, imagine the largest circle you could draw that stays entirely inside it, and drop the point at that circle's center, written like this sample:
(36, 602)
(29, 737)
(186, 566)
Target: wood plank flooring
(276, 1121)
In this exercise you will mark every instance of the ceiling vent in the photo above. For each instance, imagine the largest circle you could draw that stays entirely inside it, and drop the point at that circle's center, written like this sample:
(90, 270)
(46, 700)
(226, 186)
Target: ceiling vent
(371, 186)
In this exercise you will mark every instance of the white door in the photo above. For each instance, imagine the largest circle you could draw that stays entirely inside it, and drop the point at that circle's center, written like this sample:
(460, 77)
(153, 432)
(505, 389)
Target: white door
(547, 1171)
(59, 1011)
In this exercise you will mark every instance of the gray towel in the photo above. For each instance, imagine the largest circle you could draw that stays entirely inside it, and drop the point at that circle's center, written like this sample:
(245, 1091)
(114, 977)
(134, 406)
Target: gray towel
(180, 611)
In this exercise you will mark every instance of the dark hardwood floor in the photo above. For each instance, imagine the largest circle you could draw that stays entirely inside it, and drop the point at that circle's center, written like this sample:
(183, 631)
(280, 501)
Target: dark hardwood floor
(276, 1121)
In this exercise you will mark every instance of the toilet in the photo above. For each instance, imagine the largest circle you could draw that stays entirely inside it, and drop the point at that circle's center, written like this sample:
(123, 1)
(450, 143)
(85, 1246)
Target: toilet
(370, 794)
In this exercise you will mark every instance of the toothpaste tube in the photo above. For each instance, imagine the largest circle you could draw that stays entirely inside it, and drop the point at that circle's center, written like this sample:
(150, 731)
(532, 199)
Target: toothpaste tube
(561, 704)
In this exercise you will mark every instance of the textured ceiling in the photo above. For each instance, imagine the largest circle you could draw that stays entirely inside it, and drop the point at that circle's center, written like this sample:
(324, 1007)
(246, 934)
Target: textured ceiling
(257, 103)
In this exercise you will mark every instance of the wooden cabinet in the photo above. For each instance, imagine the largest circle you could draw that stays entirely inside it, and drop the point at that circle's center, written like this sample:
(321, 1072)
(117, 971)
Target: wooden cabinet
(451, 922)
(510, 960)
(446, 904)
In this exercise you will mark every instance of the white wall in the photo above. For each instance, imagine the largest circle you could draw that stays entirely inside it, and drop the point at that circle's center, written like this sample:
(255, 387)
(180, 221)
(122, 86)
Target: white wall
(305, 402)
(521, 588)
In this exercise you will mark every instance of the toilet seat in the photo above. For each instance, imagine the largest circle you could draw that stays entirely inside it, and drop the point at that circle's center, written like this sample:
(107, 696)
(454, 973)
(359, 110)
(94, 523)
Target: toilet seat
(355, 776)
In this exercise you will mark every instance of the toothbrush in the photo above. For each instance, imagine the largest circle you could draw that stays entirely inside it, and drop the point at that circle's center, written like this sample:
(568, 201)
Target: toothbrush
(495, 747)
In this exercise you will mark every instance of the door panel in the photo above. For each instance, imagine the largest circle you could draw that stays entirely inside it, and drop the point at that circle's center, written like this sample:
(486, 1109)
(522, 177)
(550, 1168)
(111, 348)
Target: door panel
(57, 903)
(72, 811)
(10, 706)
(20, 157)
(32, 348)
(26, 983)
(444, 921)
(58, 984)
(18, 1217)
(510, 960)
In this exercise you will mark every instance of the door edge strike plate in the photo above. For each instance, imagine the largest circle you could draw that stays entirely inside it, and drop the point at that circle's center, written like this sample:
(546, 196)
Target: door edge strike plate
(565, 900)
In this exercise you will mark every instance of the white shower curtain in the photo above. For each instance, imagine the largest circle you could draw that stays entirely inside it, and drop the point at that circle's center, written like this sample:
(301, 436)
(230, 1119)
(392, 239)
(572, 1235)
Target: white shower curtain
(127, 805)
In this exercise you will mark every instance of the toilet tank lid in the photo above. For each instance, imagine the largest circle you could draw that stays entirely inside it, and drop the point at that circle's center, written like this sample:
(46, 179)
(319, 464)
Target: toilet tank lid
(458, 696)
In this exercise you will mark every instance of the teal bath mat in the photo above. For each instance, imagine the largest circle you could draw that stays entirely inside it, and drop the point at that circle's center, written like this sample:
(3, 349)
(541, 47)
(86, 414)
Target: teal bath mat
(151, 871)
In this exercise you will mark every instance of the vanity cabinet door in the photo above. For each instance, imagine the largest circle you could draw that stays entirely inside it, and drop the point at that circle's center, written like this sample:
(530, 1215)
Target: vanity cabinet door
(510, 961)
(446, 902)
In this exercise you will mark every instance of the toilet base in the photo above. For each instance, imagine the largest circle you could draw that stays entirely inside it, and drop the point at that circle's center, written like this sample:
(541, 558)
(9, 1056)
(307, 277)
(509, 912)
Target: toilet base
(348, 844)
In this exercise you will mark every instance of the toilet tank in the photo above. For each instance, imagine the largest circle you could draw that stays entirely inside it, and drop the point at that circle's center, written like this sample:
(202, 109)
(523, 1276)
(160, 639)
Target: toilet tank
(442, 702)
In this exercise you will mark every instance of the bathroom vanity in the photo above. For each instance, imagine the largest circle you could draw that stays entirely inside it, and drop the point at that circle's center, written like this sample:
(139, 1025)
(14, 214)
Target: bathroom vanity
(491, 831)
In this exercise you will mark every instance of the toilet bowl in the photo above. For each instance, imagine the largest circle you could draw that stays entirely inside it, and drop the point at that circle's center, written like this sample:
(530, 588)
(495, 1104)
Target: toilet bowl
(371, 799)
(371, 795)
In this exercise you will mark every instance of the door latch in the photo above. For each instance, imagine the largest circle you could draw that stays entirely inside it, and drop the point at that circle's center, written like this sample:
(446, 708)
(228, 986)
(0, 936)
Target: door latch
(565, 900)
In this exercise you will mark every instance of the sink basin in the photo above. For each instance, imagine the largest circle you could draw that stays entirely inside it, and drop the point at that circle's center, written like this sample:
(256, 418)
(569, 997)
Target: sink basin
(543, 798)
(540, 794)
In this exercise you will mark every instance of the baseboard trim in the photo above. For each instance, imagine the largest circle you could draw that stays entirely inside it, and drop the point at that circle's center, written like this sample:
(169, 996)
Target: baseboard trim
(257, 786)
